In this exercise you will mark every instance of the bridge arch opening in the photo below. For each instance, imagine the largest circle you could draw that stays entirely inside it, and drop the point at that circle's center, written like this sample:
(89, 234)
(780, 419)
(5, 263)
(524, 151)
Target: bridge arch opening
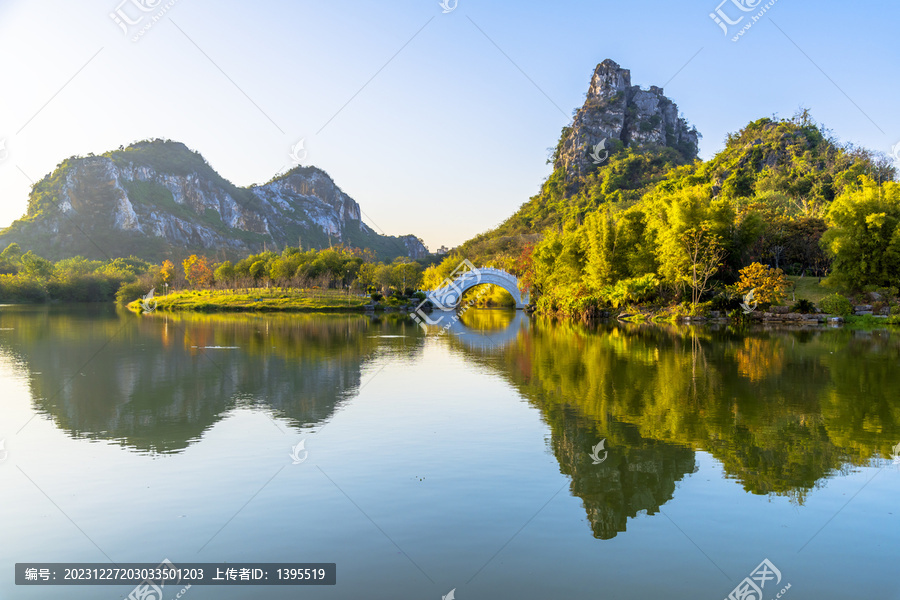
(451, 295)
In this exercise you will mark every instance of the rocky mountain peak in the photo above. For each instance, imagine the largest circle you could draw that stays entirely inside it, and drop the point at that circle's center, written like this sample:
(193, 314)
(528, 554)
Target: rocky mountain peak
(159, 199)
(616, 110)
(609, 79)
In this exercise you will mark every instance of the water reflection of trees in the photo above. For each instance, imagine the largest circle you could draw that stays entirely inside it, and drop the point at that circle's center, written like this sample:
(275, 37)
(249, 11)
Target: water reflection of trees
(635, 475)
(782, 410)
(158, 382)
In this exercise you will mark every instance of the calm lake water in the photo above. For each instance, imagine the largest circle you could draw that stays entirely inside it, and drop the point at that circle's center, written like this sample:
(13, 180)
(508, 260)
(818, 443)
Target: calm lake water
(451, 461)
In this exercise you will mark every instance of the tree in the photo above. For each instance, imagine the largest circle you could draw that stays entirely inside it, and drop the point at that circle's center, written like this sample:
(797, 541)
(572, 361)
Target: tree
(224, 273)
(384, 278)
(407, 274)
(197, 271)
(523, 267)
(768, 285)
(11, 254)
(691, 228)
(864, 238)
(36, 266)
(167, 271)
(282, 269)
(257, 270)
(603, 266)
(367, 275)
(705, 255)
(803, 247)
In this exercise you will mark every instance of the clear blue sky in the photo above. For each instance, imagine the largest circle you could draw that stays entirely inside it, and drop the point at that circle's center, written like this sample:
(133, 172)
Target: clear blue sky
(434, 126)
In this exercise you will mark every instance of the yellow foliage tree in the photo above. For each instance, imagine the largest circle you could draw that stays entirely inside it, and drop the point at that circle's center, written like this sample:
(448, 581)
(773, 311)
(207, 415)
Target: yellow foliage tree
(197, 271)
(768, 285)
(167, 271)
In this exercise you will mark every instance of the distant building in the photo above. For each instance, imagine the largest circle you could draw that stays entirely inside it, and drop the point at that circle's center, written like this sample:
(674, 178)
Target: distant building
(442, 250)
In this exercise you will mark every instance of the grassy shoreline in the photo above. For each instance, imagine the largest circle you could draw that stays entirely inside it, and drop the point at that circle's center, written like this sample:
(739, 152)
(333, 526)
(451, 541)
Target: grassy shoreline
(256, 300)
(331, 300)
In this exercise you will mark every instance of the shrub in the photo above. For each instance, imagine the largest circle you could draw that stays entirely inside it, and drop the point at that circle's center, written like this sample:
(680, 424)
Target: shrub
(635, 290)
(129, 292)
(21, 289)
(803, 306)
(725, 301)
(377, 296)
(768, 284)
(701, 309)
(835, 304)
(888, 292)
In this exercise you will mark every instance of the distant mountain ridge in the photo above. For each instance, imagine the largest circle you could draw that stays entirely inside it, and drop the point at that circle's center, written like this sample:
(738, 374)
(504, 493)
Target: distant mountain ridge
(158, 199)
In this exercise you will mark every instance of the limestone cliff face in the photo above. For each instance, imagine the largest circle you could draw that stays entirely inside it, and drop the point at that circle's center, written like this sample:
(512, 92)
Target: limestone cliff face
(615, 110)
(160, 199)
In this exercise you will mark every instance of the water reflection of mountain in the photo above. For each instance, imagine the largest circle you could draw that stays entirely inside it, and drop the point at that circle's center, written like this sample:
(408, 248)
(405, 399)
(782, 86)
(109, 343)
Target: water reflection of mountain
(157, 382)
(782, 410)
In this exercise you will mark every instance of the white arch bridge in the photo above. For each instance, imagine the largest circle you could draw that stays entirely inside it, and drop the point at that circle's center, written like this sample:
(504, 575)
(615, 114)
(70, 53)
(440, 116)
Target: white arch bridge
(465, 277)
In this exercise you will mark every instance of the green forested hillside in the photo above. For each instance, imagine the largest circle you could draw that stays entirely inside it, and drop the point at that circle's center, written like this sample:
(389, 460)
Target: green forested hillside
(644, 223)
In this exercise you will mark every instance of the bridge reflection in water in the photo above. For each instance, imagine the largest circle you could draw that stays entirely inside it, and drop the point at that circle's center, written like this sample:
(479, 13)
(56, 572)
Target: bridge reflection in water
(493, 329)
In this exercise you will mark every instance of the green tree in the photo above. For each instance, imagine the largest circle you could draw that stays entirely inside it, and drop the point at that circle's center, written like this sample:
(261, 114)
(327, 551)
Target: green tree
(603, 265)
(36, 266)
(224, 273)
(11, 255)
(257, 270)
(691, 229)
(384, 278)
(864, 240)
(281, 269)
(367, 275)
(407, 274)
(704, 254)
